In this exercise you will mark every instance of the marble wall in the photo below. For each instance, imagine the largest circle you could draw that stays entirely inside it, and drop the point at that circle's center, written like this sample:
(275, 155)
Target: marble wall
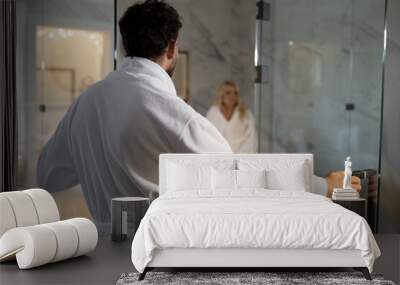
(323, 55)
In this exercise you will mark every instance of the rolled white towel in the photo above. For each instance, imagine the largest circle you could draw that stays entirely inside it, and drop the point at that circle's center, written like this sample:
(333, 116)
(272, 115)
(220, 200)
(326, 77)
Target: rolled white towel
(40, 244)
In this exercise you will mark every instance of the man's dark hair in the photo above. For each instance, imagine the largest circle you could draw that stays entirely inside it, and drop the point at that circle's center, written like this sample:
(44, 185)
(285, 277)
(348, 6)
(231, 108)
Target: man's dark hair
(147, 28)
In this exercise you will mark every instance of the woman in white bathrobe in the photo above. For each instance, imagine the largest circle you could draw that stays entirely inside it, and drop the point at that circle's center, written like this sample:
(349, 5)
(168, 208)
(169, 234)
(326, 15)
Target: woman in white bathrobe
(233, 119)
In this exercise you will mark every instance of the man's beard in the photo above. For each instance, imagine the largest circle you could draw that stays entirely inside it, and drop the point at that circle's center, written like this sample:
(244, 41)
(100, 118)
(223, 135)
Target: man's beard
(171, 69)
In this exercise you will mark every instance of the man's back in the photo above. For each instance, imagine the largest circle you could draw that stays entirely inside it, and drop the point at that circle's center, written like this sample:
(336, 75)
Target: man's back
(110, 139)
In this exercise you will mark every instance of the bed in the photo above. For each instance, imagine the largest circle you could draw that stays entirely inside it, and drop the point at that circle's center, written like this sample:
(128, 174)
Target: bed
(247, 211)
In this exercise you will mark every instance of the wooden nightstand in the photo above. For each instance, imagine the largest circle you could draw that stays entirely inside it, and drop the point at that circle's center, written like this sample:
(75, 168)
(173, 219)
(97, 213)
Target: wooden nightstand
(358, 206)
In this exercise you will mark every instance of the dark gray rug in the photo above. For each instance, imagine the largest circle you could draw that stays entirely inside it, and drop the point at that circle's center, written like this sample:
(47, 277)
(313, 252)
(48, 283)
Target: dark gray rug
(225, 278)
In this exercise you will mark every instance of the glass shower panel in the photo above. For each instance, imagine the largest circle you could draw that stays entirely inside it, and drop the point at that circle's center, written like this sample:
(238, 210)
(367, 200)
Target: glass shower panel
(366, 81)
(324, 78)
(63, 47)
(27, 105)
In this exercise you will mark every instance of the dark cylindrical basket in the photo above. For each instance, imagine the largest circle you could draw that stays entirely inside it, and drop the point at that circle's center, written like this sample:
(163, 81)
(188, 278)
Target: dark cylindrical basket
(126, 214)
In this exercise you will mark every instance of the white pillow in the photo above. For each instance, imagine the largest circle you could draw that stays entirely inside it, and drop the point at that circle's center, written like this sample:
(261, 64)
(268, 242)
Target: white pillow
(251, 178)
(182, 178)
(226, 179)
(282, 174)
(293, 179)
(223, 179)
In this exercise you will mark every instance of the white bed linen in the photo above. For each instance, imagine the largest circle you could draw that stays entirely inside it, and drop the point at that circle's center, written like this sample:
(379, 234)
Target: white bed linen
(252, 218)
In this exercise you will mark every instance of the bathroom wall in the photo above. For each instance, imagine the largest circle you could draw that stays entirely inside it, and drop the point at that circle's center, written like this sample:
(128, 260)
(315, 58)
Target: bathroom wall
(54, 40)
(55, 52)
(219, 36)
(322, 55)
(389, 210)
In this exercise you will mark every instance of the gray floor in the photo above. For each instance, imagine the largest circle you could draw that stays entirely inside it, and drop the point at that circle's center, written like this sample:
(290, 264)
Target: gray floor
(110, 260)
(103, 266)
(389, 262)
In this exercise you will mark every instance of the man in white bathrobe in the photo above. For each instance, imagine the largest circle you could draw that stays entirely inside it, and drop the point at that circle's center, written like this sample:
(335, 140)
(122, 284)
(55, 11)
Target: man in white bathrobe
(110, 139)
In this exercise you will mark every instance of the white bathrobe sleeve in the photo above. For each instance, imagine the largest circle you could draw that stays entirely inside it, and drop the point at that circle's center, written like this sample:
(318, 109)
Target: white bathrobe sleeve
(200, 136)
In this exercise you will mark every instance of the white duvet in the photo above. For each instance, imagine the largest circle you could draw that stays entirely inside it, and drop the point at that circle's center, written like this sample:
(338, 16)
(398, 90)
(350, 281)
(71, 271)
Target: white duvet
(252, 218)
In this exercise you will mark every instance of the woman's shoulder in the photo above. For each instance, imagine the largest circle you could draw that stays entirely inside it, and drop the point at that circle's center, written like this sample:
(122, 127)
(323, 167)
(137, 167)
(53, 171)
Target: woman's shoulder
(250, 114)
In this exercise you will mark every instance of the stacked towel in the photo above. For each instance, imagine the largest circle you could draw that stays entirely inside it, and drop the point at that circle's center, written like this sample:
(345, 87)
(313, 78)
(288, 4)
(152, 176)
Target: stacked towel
(345, 194)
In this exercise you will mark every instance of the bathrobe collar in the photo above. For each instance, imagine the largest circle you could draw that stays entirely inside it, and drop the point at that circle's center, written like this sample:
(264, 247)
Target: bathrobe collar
(233, 118)
(140, 65)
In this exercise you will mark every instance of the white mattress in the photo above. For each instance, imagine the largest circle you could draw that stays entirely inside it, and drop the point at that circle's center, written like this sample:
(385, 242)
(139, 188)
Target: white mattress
(253, 218)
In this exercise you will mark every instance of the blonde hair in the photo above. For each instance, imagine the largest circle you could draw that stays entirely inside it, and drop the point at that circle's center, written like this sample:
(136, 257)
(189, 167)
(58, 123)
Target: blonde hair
(219, 99)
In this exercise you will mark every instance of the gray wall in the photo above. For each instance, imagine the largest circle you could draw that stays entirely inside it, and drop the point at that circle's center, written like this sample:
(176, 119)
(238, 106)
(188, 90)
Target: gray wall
(389, 208)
